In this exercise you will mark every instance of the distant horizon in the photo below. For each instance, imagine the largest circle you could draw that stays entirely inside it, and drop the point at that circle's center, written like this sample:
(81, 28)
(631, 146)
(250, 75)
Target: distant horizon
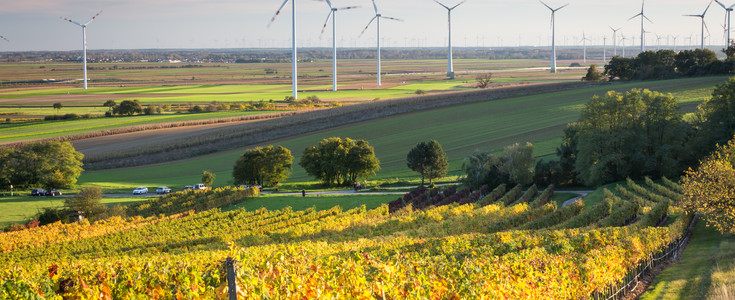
(35, 25)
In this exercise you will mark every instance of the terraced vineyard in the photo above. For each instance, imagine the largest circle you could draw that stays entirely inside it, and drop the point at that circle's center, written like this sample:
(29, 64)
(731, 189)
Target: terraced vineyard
(489, 243)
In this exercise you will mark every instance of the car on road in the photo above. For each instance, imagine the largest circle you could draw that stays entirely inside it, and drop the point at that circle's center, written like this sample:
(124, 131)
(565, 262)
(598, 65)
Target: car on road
(163, 190)
(188, 187)
(52, 193)
(38, 192)
(200, 186)
(140, 190)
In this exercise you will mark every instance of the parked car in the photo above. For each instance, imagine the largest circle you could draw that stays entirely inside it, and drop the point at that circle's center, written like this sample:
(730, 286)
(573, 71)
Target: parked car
(163, 190)
(38, 192)
(188, 187)
(52, 193)
(140, 190)
(200, 186)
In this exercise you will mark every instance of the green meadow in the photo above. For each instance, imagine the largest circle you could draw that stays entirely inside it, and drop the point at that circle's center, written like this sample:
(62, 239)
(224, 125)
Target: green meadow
(486, 126)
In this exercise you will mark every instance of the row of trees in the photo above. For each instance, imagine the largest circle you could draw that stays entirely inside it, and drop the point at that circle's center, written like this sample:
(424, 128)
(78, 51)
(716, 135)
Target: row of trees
(51, 165)
(334, 161)
(665, 64)
(513, 167)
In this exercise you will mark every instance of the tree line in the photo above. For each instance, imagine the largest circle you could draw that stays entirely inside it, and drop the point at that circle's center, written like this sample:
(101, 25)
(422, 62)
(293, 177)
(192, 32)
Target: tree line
(665, 64)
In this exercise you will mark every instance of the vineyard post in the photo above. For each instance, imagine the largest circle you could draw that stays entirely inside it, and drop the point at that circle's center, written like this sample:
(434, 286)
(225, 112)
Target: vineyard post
(231, 279)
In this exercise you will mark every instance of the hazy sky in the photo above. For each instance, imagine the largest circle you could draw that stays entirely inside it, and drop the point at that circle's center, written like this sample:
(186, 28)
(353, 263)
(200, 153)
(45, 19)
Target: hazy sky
(138, 24)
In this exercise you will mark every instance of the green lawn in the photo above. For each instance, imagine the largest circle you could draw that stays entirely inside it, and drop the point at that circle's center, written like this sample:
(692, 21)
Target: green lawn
(19, 208)
(706, 270)
(487, 126)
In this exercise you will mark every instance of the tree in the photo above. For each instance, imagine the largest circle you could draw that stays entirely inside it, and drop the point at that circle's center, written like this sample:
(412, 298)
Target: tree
(128, 107)
(636, 134)
(338, 161)
(716, 118)
(710, 189)
(87, 200)
(58, 106)
(208, 177)
(692, 62)
(513, 167)
(265, 166)
(484, 80)
(592, 74)
(109, 104)
(429, 160)
(50, 164)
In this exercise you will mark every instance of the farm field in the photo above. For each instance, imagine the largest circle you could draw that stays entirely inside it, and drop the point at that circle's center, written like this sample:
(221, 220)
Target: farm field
(463, 247)
(18, 209)
(487, 126)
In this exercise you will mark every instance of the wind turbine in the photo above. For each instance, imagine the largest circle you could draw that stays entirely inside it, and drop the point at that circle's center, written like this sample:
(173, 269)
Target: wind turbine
(294, 60)
(675, 37)
(553, 34)
(615, 44)
(84, 39)
(643, 31)
(584, 47)
(728, 10)
(378, 16)
(333, 14)
(704, 25)
(450, 66)
(2, 37)
(658, 41)
(604, 48)
(623, 39)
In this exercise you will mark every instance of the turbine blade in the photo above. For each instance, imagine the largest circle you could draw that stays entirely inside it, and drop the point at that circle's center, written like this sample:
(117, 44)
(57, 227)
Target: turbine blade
(442, 5)
(706, 9)
(698, 16)
(331, 12)
(649, 20)
(70, 21)
(720, 3)
(563, 6)
(349, 7)
(643, 4)
(705, 26)
(368, 25)
(731, 6)
(2, 37)
(633, 17)
(329, 3)
(93, 18)
(277, 13)
(375, 7)
(453, 7)
(390, 18)
(549, 7)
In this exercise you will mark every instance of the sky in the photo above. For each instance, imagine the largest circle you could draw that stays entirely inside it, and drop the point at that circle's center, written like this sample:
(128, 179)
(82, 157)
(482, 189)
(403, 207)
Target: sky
(33, 25)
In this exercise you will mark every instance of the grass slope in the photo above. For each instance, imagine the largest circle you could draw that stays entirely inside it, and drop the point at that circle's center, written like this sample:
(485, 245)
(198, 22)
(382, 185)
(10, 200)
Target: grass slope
(706, 270)
(19, 208)
(487, 126)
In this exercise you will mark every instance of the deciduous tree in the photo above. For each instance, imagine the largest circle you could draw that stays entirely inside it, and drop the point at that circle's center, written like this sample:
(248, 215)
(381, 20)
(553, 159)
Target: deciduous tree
(340, 161)
(266, 166)
(429, 160)
(49, 164)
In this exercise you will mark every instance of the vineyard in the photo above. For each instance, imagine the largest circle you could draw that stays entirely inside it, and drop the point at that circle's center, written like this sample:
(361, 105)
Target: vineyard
(499, 243)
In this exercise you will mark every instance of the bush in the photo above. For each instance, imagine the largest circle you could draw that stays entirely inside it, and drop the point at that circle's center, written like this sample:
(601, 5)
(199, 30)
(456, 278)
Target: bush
(196, 109)
(153, 110)
(87, 200)
(50, 215)
(420, 92)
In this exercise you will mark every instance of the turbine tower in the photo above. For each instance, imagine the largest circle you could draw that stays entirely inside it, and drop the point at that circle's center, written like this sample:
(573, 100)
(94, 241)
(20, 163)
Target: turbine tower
(84, 40)
(378, 16)
(615, 44)
(553, 34)
(604, 49)
(584, 47)
(704, 25)
(333, 14)
(294, 73)
(450, 66)
(675, 37)
(643, 31)
(728, 10)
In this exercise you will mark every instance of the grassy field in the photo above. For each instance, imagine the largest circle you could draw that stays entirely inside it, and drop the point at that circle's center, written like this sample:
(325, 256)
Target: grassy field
(487, 126)
(19, 208)
(706, 270)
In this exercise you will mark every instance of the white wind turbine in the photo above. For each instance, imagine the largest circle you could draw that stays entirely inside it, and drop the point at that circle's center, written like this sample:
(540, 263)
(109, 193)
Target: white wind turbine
(553, 34)
(643, 31)
(615, 44)
(704, 25)
(333, 14)
(584, 47)
(294, 60)
(658, 41)
(378, 16)
(604, 48)
(84, 40)
(728, 10)
(623, 39)
(450, 66)
(675, 37)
